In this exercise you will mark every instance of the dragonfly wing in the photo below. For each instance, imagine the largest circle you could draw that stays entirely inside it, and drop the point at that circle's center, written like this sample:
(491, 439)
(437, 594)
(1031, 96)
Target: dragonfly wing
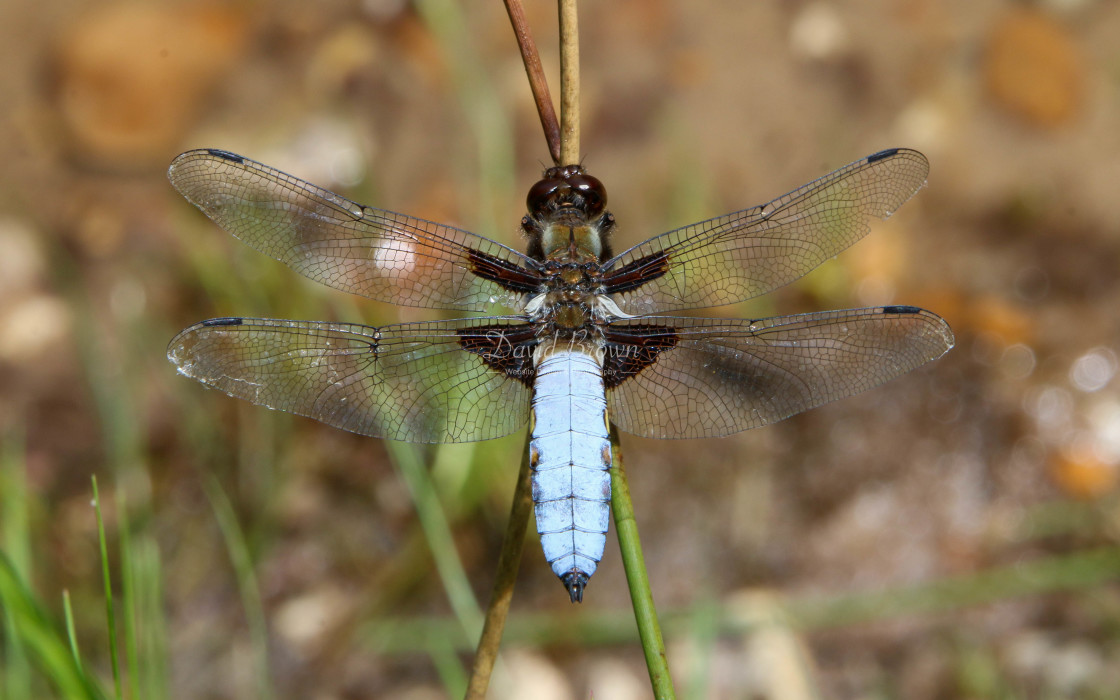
(443, 381)
(372, 252)
(671, 377)
(748, 253)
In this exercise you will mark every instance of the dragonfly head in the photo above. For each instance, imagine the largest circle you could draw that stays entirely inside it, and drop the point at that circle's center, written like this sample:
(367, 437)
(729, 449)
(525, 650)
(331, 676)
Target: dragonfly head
(565, 190)
(567, 216)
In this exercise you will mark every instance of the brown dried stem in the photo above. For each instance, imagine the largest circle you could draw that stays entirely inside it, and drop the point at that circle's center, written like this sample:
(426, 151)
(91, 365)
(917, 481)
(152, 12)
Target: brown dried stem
(508, 564)
(537, 81)
(569, 83)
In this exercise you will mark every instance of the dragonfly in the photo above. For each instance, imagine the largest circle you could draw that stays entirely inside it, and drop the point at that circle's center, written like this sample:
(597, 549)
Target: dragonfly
(583, 338)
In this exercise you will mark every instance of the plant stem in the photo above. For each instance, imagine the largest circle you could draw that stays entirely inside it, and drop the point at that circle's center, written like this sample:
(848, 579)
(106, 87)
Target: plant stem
(649, 629)
(508, 564)
(538, 83)
(437, 532)
(569, 83)
(110, 615)
(241, 558)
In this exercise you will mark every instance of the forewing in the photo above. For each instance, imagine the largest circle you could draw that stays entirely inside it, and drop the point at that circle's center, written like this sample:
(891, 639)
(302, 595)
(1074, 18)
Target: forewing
(445, 381)
(671, 377)
(358, 249)
(747, 253)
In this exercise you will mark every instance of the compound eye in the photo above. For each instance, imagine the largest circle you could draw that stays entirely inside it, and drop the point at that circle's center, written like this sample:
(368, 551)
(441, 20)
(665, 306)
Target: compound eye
(540, 193)
(591, 190)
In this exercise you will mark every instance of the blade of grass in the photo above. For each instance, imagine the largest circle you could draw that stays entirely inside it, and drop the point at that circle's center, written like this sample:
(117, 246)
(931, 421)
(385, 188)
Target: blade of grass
(446, 660)
(108, 345)
(438, 533)
(1080, 571)
(703, 632)
(641, 596)
(247, 584)
(508, 564)
(1060, 573)
(41, 639)
(152, 677)
(16, 669)
(452, 467)
(15, 526)
(495, 162)
(128, 598)
(483, 109)
(71, 632)
(259, 468)
(15, 520)
(110, 615)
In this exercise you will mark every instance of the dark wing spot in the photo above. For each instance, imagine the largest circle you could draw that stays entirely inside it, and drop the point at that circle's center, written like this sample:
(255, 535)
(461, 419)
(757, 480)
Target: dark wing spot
(225, 154)
(901, 310)
(636, 273)
(223, 322)
(505, 273)
(882, 154)
(630, 349)
(504, 348)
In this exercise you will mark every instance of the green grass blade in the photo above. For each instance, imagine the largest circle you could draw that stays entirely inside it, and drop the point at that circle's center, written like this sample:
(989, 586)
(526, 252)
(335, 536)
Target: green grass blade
(1079, 571)
(71, 632)
(483, 109)
(128, 598)
(703, 632)
(448, 666)
(509, 563)
(16, 668)
(151, 638)
(15, 520)
(15, 528)
(649, 628)
(110, 613)
(247, 583)
(39, 637)
(437, 531)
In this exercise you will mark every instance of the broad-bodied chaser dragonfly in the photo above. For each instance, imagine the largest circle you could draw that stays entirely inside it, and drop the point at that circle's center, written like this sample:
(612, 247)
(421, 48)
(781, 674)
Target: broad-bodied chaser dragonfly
(583, 346)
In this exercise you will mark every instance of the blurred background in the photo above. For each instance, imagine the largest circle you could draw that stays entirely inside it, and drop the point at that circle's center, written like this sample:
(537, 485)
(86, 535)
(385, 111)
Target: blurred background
(952, 534)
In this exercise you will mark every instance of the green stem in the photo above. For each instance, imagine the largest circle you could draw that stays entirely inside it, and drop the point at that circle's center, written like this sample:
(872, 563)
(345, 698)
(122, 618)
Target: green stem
(114, 661)
(247, 585)
(447, 21)
(641, 596)
(71, 632)
(437, 531)
(125, 545)
(1078, 572)
(38, 636)
(508, 564)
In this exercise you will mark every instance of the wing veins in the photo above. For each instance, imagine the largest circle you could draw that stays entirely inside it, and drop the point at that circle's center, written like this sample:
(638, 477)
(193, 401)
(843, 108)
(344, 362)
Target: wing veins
(336, 241)
(710, 263)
